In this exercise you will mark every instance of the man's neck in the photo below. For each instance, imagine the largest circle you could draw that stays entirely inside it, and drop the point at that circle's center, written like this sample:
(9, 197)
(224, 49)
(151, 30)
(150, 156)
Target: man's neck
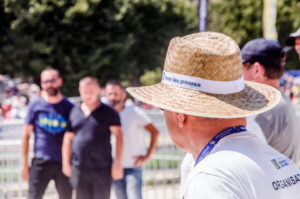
(120, 107)
(87, 108)
(202, 134)
(273, 82)
(52, 99)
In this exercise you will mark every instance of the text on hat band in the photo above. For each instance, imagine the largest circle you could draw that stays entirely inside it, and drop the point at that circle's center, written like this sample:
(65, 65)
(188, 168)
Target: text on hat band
(203, 85)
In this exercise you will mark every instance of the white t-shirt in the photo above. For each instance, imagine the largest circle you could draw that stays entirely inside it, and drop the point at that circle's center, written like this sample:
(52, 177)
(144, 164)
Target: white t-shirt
(242, 167)
(186, 166)
(188, 161)
(133, 121)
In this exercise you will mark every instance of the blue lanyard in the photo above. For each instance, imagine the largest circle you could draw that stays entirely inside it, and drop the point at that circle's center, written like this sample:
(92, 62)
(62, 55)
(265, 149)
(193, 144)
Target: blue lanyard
(207, 149)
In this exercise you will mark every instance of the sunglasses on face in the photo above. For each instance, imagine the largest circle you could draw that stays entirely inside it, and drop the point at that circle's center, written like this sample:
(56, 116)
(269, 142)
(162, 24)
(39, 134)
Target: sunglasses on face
(50, 81)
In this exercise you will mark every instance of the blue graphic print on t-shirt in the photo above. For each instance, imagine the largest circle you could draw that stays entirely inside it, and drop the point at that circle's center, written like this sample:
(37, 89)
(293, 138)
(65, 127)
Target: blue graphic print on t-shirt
(50, 123)
(53, 123)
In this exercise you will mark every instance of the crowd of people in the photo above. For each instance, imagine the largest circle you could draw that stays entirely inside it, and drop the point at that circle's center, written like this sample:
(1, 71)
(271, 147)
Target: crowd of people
(290, 85)
(72, 142)
(15, 96)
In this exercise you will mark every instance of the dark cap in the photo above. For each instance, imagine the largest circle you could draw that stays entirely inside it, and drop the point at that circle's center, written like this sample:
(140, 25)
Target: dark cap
(265, 51)
(290, 41)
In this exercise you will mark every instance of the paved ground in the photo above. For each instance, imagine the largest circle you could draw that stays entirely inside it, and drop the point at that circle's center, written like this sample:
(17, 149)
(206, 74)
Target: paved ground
(156, 191)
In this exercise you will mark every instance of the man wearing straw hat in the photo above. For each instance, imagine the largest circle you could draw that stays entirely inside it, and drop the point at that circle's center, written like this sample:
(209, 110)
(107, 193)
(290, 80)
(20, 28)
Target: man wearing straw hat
(205, 102)
(262, 63)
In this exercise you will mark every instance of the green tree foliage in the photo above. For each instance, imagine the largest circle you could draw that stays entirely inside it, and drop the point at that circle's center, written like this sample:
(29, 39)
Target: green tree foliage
(151, 77)
(119, 38)
(103, 38)
(6, 65)
(288, 21)
(149, 25)
(242, 20)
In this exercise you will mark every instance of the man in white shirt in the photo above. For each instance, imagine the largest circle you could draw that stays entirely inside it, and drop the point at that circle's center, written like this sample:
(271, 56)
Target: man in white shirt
(133, 121)
(205, 101)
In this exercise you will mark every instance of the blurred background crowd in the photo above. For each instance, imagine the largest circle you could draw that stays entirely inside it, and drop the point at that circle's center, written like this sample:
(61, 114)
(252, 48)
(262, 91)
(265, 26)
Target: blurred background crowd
(15, 95)
(290, 85)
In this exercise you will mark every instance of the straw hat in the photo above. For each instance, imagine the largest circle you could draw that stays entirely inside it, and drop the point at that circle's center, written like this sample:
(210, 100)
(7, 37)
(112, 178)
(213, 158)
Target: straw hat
(203, 77)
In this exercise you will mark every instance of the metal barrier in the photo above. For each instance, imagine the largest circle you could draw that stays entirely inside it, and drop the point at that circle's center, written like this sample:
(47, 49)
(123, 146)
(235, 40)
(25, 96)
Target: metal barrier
(161, 174)
(11, 129)
(10, 182)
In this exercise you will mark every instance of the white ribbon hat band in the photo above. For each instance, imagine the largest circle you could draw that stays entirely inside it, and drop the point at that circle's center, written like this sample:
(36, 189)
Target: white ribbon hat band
(203, 85)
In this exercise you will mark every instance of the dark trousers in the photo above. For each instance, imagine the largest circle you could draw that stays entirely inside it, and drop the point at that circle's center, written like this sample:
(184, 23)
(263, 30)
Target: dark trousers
(41, 172)
(91, 183)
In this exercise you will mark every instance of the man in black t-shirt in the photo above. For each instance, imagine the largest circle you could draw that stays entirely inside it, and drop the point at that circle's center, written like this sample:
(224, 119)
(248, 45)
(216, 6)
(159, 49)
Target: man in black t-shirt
(88, 143)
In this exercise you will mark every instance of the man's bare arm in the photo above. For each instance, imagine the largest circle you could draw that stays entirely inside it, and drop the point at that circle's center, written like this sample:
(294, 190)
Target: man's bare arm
(28, 128)
(117, 170)
(154, 137)
(67, 153)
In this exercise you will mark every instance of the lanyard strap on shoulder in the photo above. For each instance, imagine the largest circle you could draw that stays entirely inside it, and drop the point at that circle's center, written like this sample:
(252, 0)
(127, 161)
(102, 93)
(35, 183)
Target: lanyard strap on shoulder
(208, 148)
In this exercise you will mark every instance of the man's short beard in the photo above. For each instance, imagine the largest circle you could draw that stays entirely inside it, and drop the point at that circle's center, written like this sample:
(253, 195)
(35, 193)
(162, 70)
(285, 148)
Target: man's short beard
(117, 103)
(52, 91)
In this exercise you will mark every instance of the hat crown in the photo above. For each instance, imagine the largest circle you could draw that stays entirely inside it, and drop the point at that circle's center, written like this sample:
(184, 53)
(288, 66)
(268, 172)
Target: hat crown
(207, 55)
(203, 77)
(266, 51)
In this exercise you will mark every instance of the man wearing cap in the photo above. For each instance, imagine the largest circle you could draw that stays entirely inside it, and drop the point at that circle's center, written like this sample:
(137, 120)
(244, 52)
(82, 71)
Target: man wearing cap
(294, 41)
(205, 102)
(262, 63)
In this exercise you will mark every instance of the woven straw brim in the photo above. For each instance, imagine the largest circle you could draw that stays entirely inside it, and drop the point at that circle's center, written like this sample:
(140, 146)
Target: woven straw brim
(254, 99)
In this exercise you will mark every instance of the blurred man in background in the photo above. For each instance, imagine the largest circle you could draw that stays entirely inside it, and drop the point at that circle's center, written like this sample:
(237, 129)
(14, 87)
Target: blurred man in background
(294, 41)
(47, 118)
(263, 63)
(134, 121)
(87, 144)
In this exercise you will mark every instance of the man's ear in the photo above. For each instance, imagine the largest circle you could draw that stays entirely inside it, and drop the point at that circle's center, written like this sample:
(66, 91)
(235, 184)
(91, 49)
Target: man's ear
(99, 90)
(259, 70)
(181, 119)
(60, 81)
(124, 95)
(79, 88)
